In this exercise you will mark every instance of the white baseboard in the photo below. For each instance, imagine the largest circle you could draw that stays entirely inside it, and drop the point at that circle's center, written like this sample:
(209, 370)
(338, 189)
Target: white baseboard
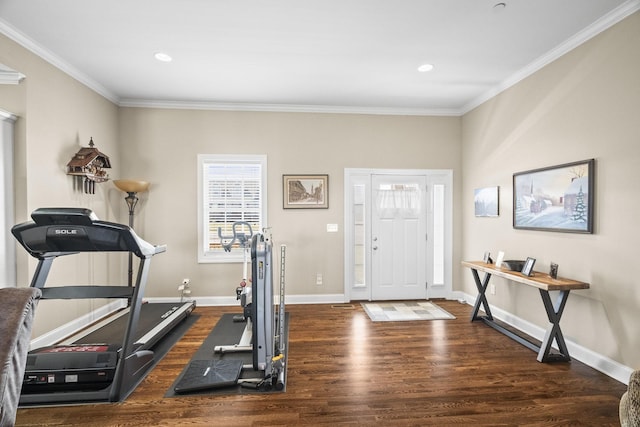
(288, 299)
(589, 357)
(315, 299)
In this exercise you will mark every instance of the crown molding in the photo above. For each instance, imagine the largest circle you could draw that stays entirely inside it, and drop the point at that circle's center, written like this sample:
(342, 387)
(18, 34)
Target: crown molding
(573, 42)
(56, 61)
(285, 108)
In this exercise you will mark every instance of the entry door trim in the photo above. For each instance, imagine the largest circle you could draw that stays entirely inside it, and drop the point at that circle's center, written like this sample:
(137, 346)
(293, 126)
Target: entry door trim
(353, 176)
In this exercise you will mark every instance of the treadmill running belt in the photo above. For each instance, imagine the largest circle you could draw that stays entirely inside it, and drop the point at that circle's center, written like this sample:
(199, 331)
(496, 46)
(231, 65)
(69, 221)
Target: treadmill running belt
(151, 314)
(207, 374)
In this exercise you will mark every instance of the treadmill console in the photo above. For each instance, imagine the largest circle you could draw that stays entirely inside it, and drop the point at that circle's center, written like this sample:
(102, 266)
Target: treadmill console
(64, 216)
(71, 230)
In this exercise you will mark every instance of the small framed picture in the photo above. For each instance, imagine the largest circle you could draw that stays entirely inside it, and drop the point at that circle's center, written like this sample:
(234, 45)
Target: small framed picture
(553, 270)
(486, 201)
(527, 269)
(487, 258)
(499, 259)
(305, 191)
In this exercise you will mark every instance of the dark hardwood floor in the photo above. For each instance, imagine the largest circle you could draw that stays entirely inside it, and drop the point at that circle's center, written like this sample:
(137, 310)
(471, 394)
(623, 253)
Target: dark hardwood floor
(344, 369)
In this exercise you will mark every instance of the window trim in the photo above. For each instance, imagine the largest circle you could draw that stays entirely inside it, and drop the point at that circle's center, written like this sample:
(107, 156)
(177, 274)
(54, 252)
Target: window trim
(7, 242)
(205, 256)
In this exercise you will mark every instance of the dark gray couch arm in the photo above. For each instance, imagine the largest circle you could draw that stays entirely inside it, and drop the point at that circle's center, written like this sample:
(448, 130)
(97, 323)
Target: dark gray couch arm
(16, 319)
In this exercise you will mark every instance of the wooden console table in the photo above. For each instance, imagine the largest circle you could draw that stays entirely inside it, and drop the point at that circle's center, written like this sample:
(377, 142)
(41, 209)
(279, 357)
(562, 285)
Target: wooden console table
(545, 284)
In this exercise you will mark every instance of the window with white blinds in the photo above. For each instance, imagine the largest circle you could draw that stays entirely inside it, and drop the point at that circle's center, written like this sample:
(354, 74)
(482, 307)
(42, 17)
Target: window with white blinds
(232, 188)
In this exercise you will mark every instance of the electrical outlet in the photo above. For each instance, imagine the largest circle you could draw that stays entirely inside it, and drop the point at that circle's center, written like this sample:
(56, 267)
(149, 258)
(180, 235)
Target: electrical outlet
(492, 289)
(319, 279)
(184, 289)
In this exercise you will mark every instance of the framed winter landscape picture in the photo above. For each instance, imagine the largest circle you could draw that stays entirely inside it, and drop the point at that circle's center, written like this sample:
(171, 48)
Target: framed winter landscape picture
(486, 201)
(556, 198)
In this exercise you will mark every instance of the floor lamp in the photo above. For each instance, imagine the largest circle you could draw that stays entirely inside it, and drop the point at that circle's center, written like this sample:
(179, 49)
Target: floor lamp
(132, 188)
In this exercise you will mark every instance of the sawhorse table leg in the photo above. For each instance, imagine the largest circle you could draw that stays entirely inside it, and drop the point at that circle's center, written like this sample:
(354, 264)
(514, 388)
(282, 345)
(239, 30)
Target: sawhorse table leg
(481, 299)
(554, 313)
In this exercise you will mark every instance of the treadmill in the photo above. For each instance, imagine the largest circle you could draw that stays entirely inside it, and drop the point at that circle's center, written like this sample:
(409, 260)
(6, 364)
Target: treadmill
(106, 361)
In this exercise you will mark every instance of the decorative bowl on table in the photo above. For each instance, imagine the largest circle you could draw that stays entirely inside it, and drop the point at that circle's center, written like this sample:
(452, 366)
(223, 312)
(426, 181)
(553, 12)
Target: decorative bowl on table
(513, 264)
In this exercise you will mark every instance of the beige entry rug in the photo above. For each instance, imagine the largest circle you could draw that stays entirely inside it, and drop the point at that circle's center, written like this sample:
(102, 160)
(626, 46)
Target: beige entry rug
(400, 311)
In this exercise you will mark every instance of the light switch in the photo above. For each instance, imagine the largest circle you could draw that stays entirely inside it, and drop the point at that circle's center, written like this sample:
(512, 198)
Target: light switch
(332, 228)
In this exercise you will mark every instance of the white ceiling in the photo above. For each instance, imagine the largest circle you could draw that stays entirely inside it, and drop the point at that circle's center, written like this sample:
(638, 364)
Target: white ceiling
(305, 55)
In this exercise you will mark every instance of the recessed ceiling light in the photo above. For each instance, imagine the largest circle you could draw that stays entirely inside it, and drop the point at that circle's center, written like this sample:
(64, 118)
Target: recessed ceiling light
(499, 6)
(163, 57)
(425, 68)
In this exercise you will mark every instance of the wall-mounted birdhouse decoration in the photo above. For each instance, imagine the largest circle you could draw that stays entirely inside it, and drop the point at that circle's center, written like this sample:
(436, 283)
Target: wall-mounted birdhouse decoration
(88, 167)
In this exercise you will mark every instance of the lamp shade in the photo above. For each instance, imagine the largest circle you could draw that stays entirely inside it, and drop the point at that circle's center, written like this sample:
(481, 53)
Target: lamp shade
(131, 185)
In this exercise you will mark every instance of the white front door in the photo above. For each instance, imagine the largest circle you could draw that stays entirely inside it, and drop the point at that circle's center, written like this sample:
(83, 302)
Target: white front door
(398, 237)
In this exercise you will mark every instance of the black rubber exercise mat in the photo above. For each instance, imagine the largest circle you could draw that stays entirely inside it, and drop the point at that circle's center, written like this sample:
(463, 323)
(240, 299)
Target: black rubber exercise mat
(208, 374)
(226, 332)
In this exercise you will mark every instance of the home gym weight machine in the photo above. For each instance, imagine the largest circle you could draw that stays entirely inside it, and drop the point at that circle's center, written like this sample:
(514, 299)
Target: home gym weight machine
(264, 333)
(105, 362)
(243, 292)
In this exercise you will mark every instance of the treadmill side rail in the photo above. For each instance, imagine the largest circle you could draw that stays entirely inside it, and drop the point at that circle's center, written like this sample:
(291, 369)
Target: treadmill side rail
(89, 291)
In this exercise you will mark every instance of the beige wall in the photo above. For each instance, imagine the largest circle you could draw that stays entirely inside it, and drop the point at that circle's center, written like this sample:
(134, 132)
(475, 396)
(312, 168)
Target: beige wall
(584, 105)
(162, 146)
(57, 115)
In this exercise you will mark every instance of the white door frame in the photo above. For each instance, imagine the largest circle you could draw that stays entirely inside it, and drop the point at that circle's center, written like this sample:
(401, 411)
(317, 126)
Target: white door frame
(362, 177)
